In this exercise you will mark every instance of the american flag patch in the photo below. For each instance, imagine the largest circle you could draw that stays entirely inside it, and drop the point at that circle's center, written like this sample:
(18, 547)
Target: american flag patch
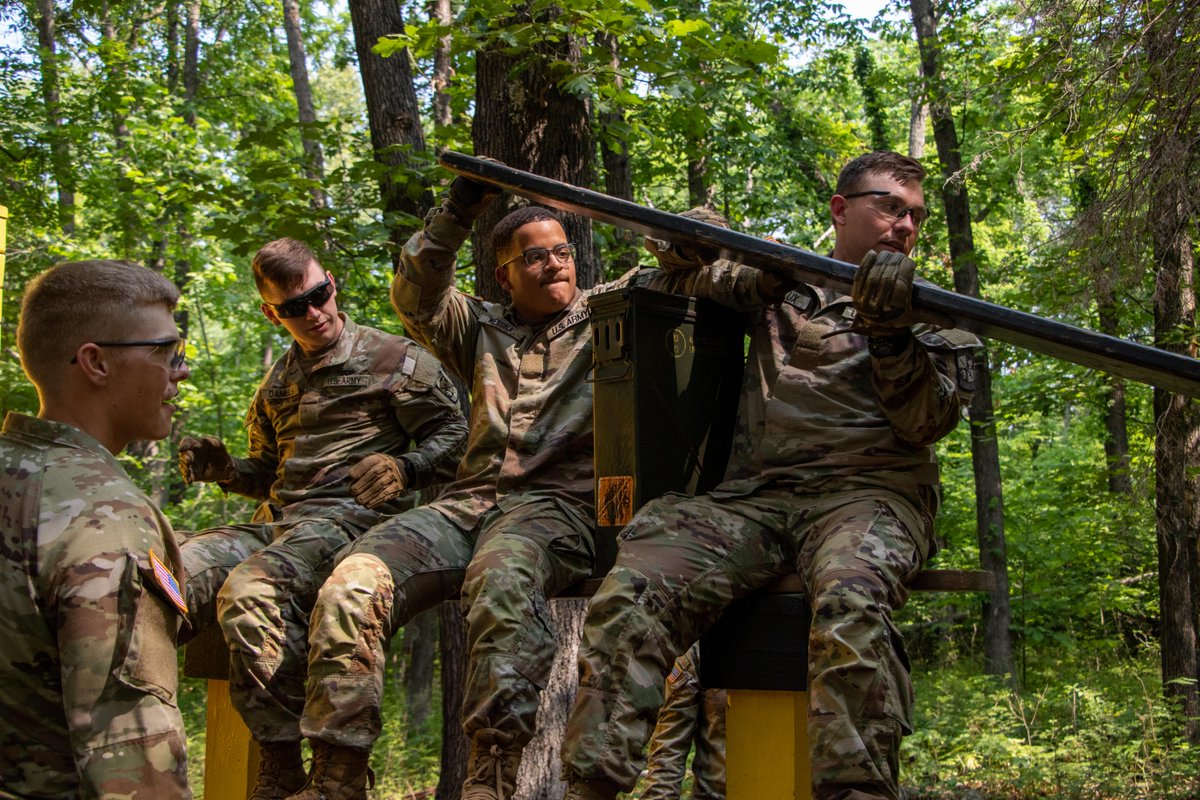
(166, 581)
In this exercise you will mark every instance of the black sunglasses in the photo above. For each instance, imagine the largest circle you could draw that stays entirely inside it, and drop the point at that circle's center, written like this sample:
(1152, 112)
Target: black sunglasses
(298, 306)
(177, 358)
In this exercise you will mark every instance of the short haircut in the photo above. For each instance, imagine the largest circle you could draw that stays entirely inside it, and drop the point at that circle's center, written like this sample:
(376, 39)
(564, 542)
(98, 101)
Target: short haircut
(75, 302)
(283, 263)
(902, 168)
(506, 229)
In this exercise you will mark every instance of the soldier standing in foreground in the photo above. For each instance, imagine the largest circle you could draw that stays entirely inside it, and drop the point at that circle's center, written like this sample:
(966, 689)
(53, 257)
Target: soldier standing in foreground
(330, 429)
(90, 579)
(833, 476)
(523, 499)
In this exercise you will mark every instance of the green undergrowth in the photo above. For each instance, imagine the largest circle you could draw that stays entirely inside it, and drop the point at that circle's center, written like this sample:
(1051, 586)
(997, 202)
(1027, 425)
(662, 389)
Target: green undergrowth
(1084, 725)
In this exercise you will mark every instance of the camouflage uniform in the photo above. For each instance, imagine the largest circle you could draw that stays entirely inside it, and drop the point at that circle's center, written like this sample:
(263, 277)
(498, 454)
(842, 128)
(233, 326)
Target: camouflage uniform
(312, 418)
(690, 714)
(523, 498)
(833, 476)
(88, 677)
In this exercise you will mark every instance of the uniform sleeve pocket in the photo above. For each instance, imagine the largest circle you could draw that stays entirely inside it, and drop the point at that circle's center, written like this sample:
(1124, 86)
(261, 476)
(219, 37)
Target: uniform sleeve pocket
(148, 660)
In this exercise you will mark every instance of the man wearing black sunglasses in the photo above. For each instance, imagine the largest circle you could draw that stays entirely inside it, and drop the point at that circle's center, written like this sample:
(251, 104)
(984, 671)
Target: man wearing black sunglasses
(90, 576)
(330, 431)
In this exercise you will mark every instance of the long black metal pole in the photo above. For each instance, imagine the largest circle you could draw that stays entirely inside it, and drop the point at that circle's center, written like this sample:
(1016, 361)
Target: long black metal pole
(1138, 362)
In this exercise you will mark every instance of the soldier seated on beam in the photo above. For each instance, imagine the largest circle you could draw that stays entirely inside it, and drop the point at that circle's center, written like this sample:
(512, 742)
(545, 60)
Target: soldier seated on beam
(514, 529)
(330, 432)
(833, 477)
(91, 574)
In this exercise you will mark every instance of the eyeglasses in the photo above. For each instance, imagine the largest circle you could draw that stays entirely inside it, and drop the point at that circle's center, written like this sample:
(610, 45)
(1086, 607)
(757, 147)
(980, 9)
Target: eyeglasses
(538, 257)
(887, 205)
(177, 357)
(298, 306)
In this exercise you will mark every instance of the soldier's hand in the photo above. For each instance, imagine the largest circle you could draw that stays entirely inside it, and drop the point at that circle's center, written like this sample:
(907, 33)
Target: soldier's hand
(205, 459)
(677, 256)
(882, 293)
(469, 198)
(376, 479)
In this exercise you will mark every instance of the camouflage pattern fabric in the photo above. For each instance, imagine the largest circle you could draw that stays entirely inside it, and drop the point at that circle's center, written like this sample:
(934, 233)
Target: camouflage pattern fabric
(88, 674)
(396, 570)
(529, 456)
(311, 419)
(690, 716)
(833, 477)
(523, 557)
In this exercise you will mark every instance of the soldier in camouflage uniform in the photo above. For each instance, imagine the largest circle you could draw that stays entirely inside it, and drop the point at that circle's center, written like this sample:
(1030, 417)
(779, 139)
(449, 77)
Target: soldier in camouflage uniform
(91, 574)
(833, 476)
(523, 500)
(330, 429)
(690, 715)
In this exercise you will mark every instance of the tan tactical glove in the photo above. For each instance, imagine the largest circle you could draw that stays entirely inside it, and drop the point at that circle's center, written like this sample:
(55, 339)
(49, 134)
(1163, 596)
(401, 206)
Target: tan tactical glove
(882, 294)
(377, 479)
(205, 459)
(674, 257)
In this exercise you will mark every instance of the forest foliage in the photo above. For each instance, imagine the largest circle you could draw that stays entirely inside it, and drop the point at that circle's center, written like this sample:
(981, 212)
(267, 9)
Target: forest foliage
(189, 164)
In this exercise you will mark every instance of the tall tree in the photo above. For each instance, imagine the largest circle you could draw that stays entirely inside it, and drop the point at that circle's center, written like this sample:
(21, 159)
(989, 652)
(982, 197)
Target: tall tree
(989, 500)
(614, 149)
(60, 151)
(314, 157)
(394, 114)
(1172, 155)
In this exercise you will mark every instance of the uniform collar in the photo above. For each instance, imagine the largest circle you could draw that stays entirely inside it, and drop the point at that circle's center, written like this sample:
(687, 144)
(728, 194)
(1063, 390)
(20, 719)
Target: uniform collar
(50, 432)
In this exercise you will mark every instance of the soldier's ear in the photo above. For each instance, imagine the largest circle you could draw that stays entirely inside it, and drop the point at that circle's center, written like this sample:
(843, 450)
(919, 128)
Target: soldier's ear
(502, 279)
(93, 363)
(837, 209)
(269, 313)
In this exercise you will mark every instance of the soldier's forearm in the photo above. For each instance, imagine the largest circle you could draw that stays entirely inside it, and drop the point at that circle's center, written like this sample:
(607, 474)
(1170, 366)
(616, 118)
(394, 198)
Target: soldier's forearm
(252, 478)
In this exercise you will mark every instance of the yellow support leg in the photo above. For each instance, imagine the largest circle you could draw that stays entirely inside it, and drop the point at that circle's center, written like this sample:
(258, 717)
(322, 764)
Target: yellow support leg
(766, 746)
(230, 755)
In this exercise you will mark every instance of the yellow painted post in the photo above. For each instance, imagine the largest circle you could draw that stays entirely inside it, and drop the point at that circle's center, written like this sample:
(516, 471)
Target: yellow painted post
(766, 746)
(230, 755)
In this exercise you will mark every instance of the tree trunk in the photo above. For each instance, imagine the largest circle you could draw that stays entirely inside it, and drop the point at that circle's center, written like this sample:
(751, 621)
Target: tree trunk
(396, 133)
(989, 501)
(455, 745)
(443, 66)
(420, 646)
(538, 777)
(1177, 443)
(918, 116)
(314, 159)
(1116, 431)
(60, 148)
(525, 119)
(191, 63)
(618, 173)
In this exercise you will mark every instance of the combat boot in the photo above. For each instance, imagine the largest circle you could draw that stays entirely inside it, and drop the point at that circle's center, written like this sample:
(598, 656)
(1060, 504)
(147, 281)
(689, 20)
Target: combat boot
(491, 766)
(280, 771)
(338, 773)
(596, 789)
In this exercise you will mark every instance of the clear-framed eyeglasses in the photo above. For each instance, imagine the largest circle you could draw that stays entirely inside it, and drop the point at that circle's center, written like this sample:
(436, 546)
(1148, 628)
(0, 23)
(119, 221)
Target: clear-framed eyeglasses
(539, 257)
